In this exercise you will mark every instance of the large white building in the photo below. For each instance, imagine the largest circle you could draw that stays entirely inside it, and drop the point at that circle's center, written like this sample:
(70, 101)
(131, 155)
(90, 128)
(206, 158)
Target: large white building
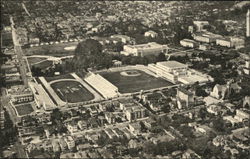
(151, 48)
(188, 43)
(206, 37)
(174, 72)
(236, 42)
(200, 24)
(224, 42)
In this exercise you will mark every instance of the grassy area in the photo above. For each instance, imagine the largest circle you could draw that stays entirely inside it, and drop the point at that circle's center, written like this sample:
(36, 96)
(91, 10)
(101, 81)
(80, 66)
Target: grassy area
(72, 91)
(33, 60)
(53, 50)
(24, 109)
(66, 76)
(130, 84)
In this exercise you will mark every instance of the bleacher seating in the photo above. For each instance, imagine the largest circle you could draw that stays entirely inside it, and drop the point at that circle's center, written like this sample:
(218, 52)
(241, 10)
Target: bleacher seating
(103, 86)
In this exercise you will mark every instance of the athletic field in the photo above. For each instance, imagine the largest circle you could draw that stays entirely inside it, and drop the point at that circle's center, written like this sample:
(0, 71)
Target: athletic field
(131, 81)
(71, 91)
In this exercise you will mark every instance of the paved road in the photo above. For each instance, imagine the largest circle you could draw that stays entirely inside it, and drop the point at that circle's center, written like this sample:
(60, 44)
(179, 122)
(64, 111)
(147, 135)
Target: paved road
(19, 53)
(5, 100)
(20, 150)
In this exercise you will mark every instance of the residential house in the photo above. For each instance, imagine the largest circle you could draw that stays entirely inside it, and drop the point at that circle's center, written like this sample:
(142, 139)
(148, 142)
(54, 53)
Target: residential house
(70, 142)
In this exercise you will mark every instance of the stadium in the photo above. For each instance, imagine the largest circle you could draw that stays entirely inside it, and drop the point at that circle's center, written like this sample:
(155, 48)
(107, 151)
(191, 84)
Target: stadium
(69, 89)
(125, 80)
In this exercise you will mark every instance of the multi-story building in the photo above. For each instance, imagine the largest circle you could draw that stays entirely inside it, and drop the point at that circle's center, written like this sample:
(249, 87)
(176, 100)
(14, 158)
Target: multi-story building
(241, 115)
(237, 42)
(206, 37)
(224, 42)
(247, 66)
(151, 48)
(174, 72)
(70, 142)
(125, 39)
(204, 47)
(200, 24)
(186, 96)
(188, 43)
(20, 94)
(169, 70)
(135, 113)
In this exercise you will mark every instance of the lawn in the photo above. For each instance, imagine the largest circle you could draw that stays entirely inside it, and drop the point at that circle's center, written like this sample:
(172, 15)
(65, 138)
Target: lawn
(130, 84)
(24, 109)
(66, 76)
(71, 91)
(53, 50)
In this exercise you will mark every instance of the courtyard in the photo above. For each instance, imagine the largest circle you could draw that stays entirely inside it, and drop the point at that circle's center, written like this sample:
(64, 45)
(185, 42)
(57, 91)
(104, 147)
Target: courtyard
(24, 109)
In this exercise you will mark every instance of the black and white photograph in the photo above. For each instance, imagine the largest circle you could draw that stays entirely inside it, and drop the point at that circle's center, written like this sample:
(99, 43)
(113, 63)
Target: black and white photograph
(127, 79)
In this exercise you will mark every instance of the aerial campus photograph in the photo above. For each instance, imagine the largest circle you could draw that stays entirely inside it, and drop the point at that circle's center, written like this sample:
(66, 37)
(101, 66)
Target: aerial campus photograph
(125, 79)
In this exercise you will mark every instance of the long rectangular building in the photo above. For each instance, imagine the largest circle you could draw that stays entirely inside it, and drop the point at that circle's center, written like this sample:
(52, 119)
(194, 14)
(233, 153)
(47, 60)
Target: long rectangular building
(174, 71)
(151, 48)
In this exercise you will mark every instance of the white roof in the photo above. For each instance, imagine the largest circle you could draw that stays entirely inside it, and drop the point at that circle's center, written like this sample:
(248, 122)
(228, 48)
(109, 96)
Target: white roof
(172, 64)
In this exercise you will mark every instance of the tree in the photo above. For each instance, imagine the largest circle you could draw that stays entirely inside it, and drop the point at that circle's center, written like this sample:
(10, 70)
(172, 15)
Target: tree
(219, 124)
(87, 53)
(203, 113)
(200, 92)
(161, 57)
(56, 115)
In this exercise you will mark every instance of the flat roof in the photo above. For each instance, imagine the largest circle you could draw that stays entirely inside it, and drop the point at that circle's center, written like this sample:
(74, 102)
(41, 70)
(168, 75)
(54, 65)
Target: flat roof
(146, 46)
(172, 64)
(188, 40)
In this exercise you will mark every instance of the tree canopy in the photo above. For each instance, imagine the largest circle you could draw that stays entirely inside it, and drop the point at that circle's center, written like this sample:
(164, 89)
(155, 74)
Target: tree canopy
(88, 54)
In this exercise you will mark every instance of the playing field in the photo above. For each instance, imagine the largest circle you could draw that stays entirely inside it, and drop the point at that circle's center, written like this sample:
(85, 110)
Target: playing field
(72, 91)
(129, 83)
(24, 109)
(53, 50)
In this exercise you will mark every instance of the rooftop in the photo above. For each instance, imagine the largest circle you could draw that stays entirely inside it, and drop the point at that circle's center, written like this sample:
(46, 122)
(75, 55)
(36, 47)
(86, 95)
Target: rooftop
(171, 64)
(19, 89)
(146, 46)
(189, 40)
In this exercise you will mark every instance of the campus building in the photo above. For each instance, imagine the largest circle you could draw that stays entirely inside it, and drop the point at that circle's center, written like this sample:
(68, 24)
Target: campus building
(174, 72)
(200, 24)
(206, 37)
(151, 48)
(169, 70)
(20, 94)
(224, 42)
(188, 43)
